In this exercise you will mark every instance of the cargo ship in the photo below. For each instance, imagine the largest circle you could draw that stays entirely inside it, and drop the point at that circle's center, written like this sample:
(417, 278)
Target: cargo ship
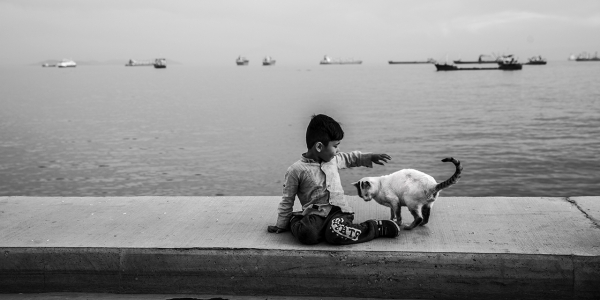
(483, 59)
(241, 61)
(268, 61)
(328, 61)
(66, 63)
(428, 61)
(133, 63)
(587, 57)
(160, 63)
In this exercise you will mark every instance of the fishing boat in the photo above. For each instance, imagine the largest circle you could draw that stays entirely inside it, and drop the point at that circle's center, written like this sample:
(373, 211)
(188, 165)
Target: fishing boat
(66, 63)
(483, 59)
(160, 63)
(428, 61)
(587, 57)
(134, 63)
(328, 61)
(536, 60)
(241, 61)
(268, 61)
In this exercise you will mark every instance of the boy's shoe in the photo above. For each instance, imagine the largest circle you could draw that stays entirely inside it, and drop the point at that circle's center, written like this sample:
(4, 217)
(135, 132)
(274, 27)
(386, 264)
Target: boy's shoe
(387, 228)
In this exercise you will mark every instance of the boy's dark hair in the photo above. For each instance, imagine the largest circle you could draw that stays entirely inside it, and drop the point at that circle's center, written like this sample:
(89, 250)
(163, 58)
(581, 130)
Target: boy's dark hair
(323, 129)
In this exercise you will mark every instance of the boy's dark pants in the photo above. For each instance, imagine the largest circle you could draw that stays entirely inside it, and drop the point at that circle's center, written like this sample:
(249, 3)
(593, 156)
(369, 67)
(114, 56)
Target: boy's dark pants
(337, 228)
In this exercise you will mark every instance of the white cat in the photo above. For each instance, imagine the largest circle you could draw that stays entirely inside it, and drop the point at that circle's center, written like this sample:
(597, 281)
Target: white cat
(411, 188)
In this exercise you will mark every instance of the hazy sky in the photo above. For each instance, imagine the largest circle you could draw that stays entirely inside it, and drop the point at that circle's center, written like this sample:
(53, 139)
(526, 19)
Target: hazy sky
(294, 32)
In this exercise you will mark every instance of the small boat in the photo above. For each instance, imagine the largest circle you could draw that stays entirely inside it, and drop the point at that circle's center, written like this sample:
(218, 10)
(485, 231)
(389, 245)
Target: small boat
(241, 61)
(328, 61)
(536, 60)
(66, 63)
(428, 61)
(160, 63)
(268, 61)
(48, 65)
(133, 63)
(587, 57)
(482, 60)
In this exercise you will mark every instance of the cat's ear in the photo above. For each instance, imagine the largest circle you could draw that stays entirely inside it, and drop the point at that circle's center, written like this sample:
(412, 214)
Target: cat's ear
(355, 184)
(365, 184)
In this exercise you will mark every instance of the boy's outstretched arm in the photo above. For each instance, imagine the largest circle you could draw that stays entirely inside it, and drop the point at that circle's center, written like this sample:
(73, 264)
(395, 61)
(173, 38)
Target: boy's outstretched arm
(380, 158)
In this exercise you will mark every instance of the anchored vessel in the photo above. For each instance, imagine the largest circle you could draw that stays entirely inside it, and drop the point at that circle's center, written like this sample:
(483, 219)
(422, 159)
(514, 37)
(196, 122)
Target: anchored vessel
(536, 60)
(241, 61)
(66, 63)
(268, 61)
(160, 63)
(587, 57)
(428, 61)
(505, 63)
(483, 59)
(133, 63)
(328, 61)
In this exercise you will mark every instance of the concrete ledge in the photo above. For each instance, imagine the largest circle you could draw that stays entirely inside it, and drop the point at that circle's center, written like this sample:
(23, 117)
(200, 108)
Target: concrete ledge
(473, 248)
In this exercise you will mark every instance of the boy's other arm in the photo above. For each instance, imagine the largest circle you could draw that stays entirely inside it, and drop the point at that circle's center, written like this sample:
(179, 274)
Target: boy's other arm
(286, 206)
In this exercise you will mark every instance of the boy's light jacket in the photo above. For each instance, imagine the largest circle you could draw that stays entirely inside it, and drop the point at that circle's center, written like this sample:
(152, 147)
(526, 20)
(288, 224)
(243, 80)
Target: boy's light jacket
(317, 185)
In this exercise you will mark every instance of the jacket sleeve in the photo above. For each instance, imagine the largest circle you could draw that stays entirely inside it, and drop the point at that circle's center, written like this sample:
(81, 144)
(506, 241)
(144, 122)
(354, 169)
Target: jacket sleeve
(286, 206)
(353, 159)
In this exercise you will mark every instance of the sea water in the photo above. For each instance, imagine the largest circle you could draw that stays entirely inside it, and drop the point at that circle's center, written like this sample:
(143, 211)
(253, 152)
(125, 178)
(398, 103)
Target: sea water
(196, 130)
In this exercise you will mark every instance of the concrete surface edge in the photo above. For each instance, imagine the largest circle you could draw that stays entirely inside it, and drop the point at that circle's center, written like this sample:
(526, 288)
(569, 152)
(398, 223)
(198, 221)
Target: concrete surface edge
(299, 272)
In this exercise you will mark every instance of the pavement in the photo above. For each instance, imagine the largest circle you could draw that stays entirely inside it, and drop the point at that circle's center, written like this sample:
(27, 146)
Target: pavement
(472, 248)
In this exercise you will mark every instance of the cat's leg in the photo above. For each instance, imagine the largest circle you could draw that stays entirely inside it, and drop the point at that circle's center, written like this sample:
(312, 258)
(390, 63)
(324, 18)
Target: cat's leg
(398, 212)
(426, 210)
(416, 212)
(395, 213)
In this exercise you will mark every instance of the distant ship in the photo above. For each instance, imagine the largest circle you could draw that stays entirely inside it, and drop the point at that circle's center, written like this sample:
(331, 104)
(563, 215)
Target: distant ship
(160, 63)
(483, 59)
(133, 63)
(241, 61)
(328, 61)
(66, 63)
(268, 61)
(428, 61)
(48, 65)
(507, 63)
(587, 57)
(536, 60)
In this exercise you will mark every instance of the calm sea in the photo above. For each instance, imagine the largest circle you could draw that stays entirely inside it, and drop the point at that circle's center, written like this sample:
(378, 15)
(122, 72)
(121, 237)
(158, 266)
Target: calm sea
(194, 130)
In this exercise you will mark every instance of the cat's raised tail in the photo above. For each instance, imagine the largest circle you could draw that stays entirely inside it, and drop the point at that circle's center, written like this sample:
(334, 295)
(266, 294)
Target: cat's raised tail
(452, 180)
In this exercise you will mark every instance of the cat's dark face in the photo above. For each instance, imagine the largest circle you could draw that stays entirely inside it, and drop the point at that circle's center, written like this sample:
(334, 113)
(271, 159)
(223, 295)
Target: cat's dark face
(363, 188)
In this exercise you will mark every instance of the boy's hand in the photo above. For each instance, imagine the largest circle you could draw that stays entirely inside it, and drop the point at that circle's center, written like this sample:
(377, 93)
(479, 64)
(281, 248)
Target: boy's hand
(275, 229)
(380, 158)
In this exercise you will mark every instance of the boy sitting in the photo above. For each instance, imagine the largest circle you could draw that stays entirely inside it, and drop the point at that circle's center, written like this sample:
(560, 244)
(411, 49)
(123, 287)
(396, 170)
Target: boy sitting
(314, 178)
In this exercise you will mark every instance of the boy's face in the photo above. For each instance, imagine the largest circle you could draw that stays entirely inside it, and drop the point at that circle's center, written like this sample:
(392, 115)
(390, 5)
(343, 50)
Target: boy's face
(328, 152)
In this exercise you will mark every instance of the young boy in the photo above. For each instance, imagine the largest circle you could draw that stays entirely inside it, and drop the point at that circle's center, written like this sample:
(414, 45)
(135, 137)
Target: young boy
(315, 180)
